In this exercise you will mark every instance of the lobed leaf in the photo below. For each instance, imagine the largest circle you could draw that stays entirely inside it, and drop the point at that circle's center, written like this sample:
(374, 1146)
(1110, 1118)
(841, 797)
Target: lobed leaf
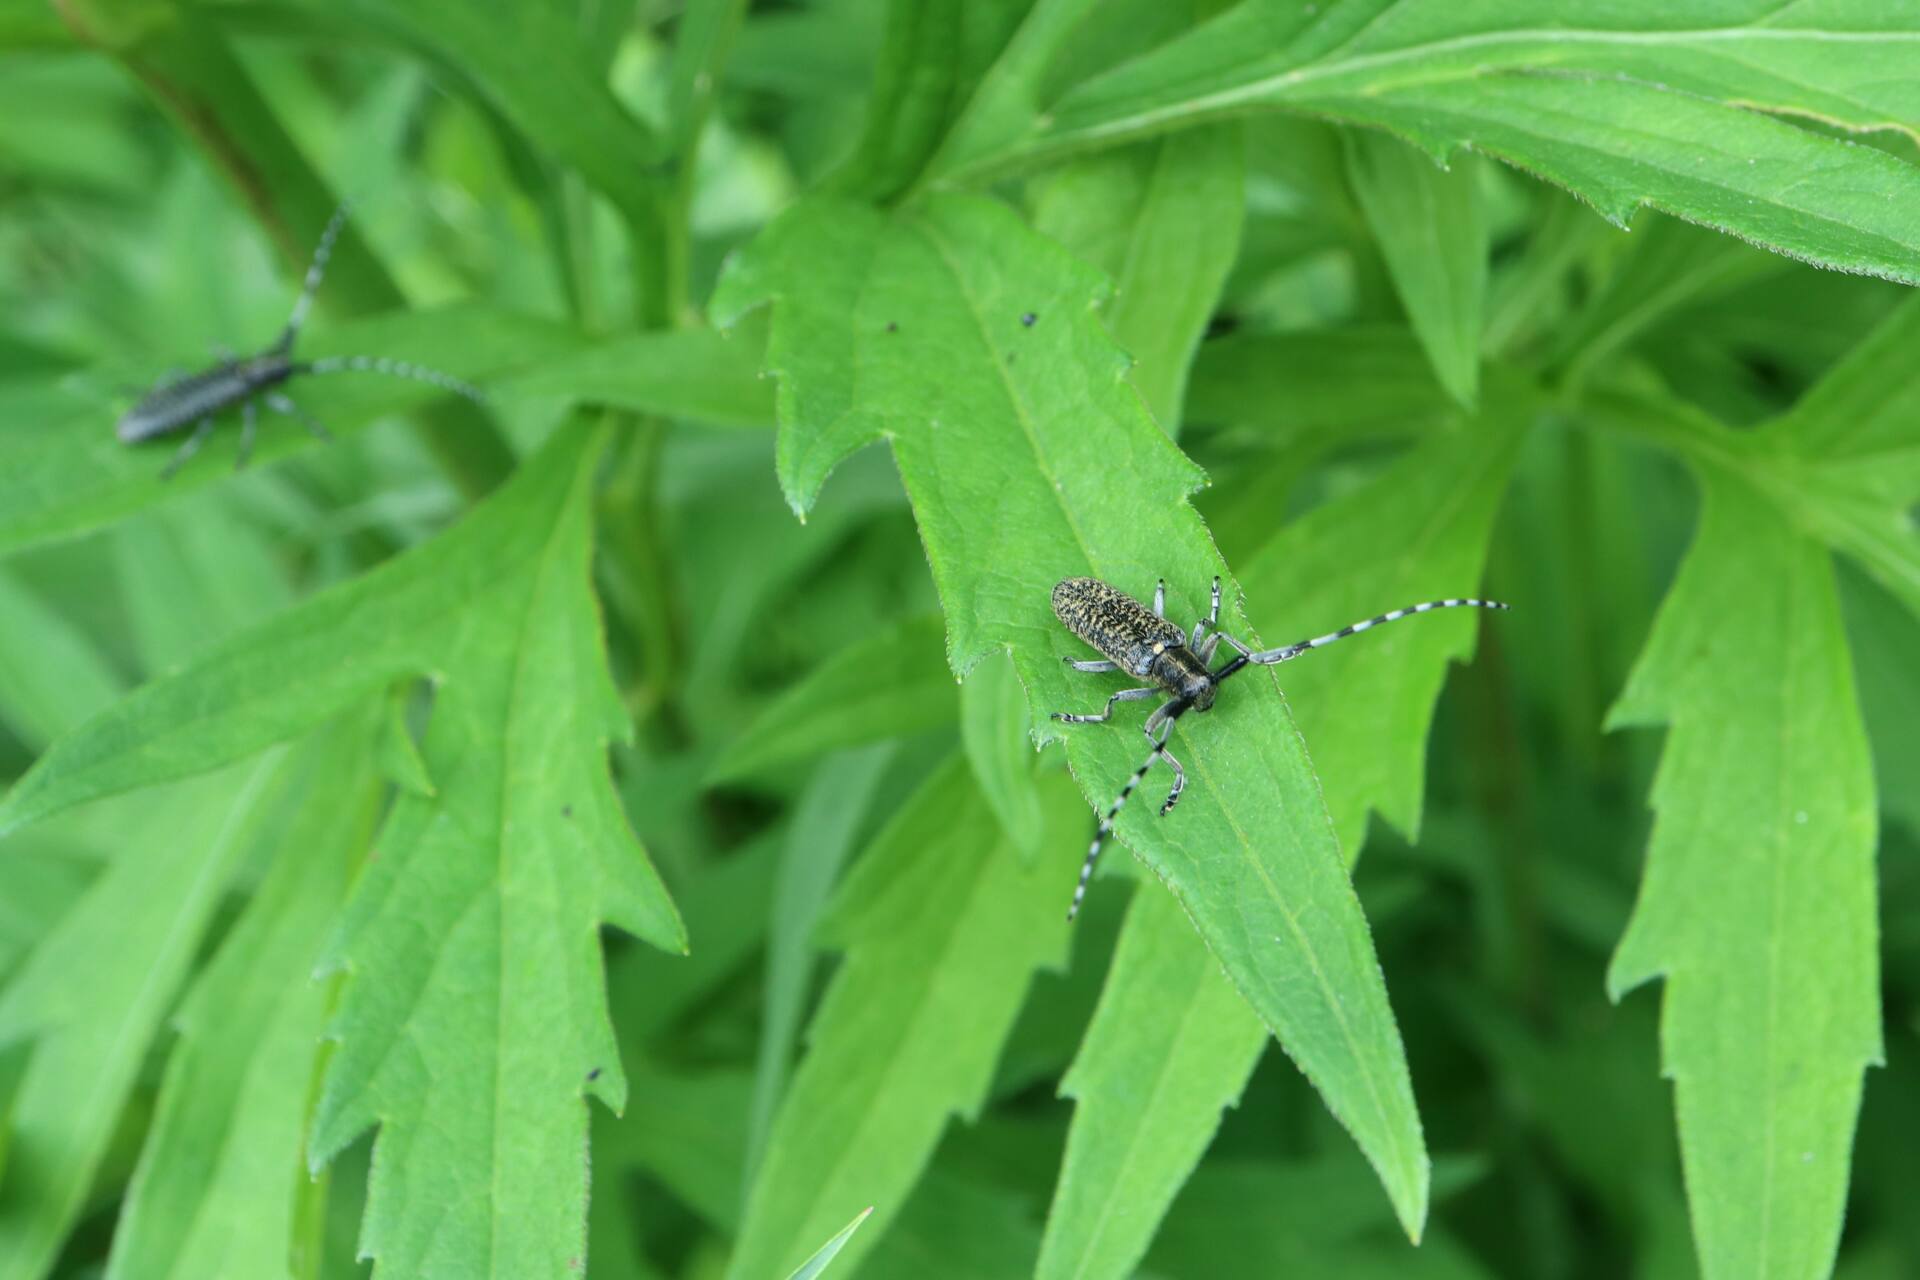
(1626, 107)
(485, 899)
(1172, 1043)
(967, 341)
(1757, 904)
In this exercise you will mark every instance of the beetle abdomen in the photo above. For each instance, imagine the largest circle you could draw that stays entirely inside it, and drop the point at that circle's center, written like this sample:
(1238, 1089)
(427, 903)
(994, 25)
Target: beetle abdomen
(1120, 627)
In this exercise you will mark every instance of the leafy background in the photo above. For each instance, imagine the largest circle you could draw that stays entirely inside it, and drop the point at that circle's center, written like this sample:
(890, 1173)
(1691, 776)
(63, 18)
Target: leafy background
(508, 841)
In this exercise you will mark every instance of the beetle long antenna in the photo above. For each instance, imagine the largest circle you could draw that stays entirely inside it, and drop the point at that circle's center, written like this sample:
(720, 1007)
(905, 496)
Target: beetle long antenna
(315, 271)
(393, 369)
(1285, 653)
(1106, 824)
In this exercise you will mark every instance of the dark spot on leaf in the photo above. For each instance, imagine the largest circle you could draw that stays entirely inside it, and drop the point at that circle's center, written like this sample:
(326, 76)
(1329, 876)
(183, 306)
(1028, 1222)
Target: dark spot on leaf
(893, 326)
(593, 1075)
(1028, 319)
(1012, 356)
(566, 811)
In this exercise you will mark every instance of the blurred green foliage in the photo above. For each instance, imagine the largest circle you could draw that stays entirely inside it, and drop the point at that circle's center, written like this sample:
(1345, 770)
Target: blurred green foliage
(323, 777)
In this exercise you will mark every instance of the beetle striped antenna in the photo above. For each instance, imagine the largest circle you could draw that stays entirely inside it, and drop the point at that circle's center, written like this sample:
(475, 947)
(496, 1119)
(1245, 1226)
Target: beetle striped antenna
(1106, 824)
(316, 271)
(394, 369)
(1288, 652)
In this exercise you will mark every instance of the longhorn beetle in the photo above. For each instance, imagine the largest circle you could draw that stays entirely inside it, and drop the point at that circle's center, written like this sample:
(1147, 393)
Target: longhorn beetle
(196, 399)
(1145, 645)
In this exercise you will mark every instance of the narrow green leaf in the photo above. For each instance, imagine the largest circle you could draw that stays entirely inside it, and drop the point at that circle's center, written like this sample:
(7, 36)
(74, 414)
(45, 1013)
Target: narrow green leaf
(891, 684)
(831, 1249)
(1172, 1043)
(1432, 230)
(221, 1180)
(943, 931)
(93, 994)
(826, 821)
(1630, 108)
(932, 54)
(998, 736)
(62, 472)
(967, 340)
(1757, 904)
(1163, 220)
(486, 897)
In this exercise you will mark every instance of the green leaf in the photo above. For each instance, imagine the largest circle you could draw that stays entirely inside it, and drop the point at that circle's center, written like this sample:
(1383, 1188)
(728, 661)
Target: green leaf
(826, 819)
(62, 472)
(1333, 383)
(889, 685)
(1023, 472)
(221, 1181)
(931, 55)
(531, 62)
(831, 1249)
(1172, 1042)
(1669, 264)
(1417, 532)
(93, 994)
(1630, 108)
(484, 900)
(998, 736)
(1757, 905)
(1163, 220)
(943, 930)
(694, 374)
(1432, 230)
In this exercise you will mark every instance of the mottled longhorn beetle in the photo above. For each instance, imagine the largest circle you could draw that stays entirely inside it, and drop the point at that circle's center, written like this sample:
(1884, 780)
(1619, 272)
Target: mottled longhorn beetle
(1143, 644)
(197, 399)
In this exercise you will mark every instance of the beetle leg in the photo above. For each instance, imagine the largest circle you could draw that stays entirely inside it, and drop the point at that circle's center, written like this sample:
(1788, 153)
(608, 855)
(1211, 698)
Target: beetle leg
(1102, 665)
(191, 447)
(1125, 695)
(1208, 623)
